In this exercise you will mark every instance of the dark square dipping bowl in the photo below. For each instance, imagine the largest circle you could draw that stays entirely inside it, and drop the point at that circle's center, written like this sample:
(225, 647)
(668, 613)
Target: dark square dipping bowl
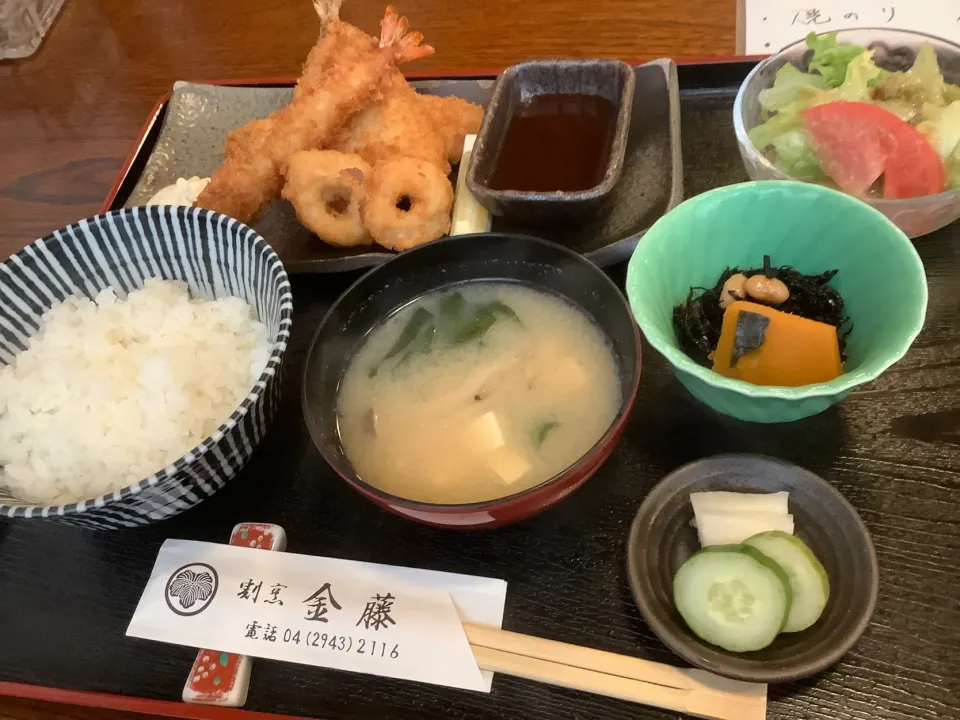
(386, 289)
(662, 539)
(610, 79)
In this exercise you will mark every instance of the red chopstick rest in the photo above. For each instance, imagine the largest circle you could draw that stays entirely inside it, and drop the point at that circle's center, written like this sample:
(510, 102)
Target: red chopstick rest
(219, 678)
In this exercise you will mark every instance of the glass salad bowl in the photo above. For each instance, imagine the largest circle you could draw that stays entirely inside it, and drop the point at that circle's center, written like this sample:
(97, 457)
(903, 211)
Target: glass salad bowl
(893, 49)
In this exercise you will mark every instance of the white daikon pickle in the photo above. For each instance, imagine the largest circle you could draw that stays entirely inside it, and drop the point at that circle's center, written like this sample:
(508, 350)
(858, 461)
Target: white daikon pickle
(725, 502)
(469, 216)
(734, 528)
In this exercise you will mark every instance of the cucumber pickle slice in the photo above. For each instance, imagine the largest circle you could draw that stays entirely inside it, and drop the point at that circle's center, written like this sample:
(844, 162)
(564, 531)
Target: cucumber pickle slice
(808, 580)
(733, 596)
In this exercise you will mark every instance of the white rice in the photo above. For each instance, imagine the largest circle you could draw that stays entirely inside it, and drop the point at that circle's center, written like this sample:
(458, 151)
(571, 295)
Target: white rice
(111, 391)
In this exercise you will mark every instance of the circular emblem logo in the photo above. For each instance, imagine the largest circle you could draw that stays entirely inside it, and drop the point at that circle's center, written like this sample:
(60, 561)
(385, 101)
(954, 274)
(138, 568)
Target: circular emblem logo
(191, 589)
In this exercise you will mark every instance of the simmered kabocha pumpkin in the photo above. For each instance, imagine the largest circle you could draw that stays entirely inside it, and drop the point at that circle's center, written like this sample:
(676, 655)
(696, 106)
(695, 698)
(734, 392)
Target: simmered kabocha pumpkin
(767, 326)
(765, 346)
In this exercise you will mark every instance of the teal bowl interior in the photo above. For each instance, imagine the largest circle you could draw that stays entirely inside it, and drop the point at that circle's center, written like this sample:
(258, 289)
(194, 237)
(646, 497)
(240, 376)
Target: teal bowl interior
(809, 227)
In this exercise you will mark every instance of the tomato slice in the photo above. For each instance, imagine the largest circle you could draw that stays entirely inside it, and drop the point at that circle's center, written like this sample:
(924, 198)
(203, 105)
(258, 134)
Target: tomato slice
(856, 143)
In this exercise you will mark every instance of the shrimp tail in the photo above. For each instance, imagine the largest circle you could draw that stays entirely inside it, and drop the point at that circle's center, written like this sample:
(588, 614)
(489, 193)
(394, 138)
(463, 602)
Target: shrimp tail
(393, 27)
(406, 46)
(327, 10)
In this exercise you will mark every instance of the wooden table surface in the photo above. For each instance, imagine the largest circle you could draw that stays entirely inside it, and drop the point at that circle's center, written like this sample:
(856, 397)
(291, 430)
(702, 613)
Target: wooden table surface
(70, 113)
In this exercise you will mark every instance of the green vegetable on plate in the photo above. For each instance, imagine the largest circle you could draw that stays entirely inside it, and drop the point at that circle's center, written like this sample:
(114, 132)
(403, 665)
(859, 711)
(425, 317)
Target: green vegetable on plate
(421, 318)
(809, 584)
(740, 597)
(455, 322)
(476, 327)
(542, 430)
(845, 73)
(733, 596)
(830, 58)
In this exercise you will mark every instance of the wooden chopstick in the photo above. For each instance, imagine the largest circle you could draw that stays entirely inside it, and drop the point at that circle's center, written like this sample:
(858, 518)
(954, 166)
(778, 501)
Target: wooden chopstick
(607, 662)
(706, 705)
(692, 691)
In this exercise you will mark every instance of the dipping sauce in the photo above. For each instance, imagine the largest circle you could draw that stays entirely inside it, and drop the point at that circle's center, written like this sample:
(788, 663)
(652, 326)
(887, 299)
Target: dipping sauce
(556, 143)
(476, 392)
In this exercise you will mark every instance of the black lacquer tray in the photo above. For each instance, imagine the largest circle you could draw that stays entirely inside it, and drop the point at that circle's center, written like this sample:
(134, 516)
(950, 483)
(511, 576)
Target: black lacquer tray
(892, 448)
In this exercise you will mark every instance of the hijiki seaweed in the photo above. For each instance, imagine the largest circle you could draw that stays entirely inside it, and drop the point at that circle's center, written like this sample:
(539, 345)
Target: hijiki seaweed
(699, 319)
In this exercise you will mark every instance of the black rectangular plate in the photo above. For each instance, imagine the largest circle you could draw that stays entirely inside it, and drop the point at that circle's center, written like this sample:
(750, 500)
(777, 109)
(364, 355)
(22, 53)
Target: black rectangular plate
(188, 140)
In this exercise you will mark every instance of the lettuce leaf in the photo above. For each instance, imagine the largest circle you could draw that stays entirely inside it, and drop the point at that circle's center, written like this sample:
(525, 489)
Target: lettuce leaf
(763, 136)
(796, 158)
(862, 71)
(906, 111)
(921, 84)
(830, 58)
(926, 72)
(787, 86)
(953, 173)
(941, 126)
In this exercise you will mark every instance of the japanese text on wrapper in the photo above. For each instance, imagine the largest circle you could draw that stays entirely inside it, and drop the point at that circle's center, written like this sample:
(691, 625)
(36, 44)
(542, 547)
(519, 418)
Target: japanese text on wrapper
(377, 615)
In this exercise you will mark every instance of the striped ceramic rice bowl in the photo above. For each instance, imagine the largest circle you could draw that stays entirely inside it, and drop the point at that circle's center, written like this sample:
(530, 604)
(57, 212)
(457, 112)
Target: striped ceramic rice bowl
(216, 257)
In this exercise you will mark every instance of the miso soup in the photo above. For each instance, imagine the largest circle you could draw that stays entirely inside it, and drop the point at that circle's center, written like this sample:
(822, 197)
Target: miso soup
(475, 393)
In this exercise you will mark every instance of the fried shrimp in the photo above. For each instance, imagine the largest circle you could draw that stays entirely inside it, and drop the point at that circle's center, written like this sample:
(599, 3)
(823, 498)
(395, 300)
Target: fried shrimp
(248, 178)
(326, 187)
(360, 155)
(341, 44)
(454, 118)
(407, 203)
(396, 126)
(405, 123)
(256, 154)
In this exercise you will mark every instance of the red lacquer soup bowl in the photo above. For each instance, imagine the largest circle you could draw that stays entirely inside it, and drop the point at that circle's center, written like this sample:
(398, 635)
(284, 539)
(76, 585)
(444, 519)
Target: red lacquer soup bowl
(491, 256)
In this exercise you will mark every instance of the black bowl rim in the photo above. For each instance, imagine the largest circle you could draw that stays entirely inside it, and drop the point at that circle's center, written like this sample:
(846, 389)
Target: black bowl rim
(685, 649)
(251, 398)
(626, 404)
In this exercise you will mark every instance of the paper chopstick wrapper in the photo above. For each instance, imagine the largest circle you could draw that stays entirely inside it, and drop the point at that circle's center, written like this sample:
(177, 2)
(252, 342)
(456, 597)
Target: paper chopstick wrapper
(360, 617)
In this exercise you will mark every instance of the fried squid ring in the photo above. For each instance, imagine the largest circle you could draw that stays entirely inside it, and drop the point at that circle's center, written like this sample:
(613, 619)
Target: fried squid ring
(326, 188)
(407, 203)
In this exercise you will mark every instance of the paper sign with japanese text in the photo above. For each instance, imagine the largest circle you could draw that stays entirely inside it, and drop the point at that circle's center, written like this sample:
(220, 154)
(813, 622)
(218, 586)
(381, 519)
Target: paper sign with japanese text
(769, 25)
(312, 610)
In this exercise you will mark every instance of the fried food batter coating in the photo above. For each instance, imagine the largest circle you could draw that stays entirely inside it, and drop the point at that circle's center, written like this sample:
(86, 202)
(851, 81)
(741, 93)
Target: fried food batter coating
(256, 154)
(396, 126)
(407, 203)
(456, 118)
(326, 189)
(405, 123)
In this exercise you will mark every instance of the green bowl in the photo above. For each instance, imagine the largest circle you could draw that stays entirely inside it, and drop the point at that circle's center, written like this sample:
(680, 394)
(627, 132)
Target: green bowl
(810, 227)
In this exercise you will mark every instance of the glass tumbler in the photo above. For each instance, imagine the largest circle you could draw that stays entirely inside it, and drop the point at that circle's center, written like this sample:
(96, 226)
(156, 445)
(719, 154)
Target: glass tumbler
(23, 23)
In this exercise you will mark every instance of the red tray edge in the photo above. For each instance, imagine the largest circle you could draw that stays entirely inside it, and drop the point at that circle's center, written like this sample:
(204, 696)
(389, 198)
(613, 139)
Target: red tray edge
(283, 80)
(128, 703)
(132, 155)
